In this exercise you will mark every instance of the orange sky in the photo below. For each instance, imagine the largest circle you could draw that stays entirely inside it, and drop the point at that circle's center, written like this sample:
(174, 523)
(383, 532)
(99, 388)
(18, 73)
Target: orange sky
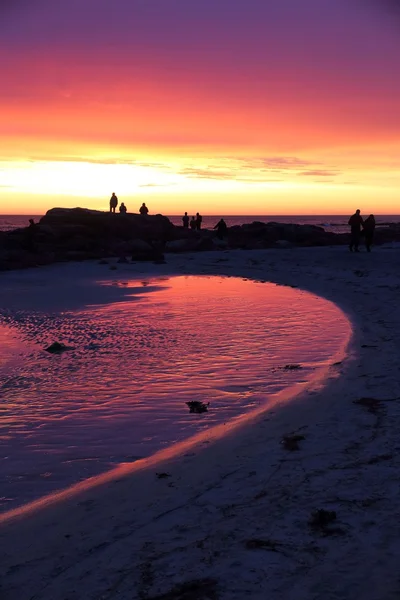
(261, 111)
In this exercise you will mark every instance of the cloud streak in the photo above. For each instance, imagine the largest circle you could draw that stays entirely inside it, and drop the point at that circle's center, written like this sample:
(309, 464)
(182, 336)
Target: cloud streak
(319, 173)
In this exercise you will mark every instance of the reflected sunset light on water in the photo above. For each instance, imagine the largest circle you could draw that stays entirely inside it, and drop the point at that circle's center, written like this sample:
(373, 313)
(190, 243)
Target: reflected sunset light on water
(119, 393)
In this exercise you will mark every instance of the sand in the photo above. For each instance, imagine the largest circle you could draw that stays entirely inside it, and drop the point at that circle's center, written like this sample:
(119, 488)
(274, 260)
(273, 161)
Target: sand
(231, 516)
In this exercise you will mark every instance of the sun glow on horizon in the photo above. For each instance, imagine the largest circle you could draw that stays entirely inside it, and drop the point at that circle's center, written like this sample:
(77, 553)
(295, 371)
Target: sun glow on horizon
(217, 185)
(250, 108)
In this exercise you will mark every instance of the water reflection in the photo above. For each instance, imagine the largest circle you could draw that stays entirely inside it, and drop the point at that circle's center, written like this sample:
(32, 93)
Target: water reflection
(119, 394)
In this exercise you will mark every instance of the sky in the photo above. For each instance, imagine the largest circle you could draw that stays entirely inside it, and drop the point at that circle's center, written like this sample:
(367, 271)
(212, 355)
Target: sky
(254, 107)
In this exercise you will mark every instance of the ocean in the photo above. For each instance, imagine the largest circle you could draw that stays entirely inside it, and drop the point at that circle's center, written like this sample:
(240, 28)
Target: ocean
(334, 223)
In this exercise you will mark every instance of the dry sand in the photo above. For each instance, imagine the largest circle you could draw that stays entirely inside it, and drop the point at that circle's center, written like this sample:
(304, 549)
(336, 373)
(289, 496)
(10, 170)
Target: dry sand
(232, 518)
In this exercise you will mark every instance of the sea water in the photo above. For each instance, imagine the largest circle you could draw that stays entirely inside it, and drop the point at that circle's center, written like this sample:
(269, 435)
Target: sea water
(119, 392)
(333, 223)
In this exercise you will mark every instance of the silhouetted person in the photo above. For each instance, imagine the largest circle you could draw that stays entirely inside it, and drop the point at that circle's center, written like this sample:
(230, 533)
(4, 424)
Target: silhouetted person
(355, 223)
(193, 223)
(199, 220)
(185, 220)
(221, 228)
(143, 209)
(369, 230)
(122, 209)
(113, 202)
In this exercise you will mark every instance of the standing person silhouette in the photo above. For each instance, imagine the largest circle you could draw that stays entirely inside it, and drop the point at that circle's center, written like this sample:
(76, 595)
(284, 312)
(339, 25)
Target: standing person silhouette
(143, 209)
(193, 223)
(221, 228)
(185, 220)
(355, 223)
(113, 202)
(199, 219)
(369, 230)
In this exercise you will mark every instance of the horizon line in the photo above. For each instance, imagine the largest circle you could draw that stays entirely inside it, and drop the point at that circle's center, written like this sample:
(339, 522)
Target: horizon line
(30, 214)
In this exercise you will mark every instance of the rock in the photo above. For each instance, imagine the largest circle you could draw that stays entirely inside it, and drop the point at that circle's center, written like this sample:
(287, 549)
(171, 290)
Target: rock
(284, 244)
(220, 244)
(77, 255)
(103, 226)
(82, 234)
(184, 245)
(291, 442)
(197, 242)
(205, 244)
(140, 246)
(56, 348)
(163, 475)
(321, 518)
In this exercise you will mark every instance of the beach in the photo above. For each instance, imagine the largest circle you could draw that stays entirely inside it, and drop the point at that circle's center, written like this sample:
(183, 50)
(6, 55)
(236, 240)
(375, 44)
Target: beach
(232, 514)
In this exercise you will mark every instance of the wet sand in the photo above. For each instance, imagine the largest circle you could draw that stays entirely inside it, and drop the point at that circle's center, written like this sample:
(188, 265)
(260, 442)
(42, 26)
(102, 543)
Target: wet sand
(231, 516)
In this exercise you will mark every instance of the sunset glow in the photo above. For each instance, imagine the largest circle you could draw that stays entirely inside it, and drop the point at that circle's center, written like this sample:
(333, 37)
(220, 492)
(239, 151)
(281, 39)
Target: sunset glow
(245, 108)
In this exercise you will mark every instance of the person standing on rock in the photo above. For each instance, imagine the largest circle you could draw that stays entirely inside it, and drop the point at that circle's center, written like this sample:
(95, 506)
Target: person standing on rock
(193, 223)
(221, 228)
(199, 219)
(143, 209)
(355, 223)
(122, 209)
(113, 202)
(369, 230)
(185, 220)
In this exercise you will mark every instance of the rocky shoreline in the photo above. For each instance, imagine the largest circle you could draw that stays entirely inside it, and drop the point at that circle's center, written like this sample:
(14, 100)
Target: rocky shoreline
(82, 234)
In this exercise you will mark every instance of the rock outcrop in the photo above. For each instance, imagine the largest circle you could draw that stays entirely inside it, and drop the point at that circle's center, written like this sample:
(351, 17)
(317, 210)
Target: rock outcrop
(81, 234)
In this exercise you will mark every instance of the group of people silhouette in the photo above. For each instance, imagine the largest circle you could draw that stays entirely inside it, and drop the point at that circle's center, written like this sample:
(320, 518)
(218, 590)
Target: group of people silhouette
(143, 210)
(356, 222)
(358, 225)
(194, 223)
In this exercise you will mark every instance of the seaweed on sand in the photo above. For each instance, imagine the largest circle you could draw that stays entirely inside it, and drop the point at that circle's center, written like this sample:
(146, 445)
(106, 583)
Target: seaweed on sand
(195, 406)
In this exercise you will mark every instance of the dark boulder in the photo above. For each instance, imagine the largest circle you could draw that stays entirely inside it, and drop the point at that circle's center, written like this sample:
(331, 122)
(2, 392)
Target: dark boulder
(100, 226)
(267, 235)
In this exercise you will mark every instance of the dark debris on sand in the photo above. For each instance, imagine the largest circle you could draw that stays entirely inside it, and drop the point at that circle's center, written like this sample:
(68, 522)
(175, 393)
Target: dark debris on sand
(291, 367)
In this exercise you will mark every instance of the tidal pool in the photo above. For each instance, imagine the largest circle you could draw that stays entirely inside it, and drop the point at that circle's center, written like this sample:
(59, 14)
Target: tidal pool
(119, 393)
